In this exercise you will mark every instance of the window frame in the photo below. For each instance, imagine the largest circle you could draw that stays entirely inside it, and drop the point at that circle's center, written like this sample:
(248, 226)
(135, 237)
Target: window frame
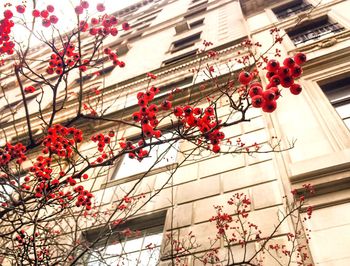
(178, 46)
(331, 84)
(179, 58)
(332, 125)
(282, 9)
(151, 168)
(299, 32)
(151, 225)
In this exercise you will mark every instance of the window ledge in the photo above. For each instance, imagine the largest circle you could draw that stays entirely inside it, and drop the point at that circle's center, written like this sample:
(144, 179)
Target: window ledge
(123, 180)
(321, 167)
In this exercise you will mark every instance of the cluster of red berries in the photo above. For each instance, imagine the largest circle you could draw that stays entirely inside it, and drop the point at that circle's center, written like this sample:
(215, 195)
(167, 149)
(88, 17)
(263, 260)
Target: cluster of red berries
(66, 57)
(265, 99)
(80, 8)
(114, 57)
(139, 154)
(204, 121)
(29, 89)
(41, 169)
(284, 75)
(147, 115)
(43, 173)
(12, 152)
(105, 25)
(23, 237)
(58, 142)
(6, 46)
(84, 197)
(47, 19)
(102, 140)
(277, 75)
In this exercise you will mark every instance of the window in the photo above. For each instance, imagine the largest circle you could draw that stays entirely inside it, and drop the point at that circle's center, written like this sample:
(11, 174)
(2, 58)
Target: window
(154, 14)
(313, 30)
(338, 93)
(178, 58)
(159, 156)
(141, 23)
(126, 33)
(185, 42)
(118, 248)
(198, 5)
(291, 9)
(184, 26)
(144, 27)
(196, 23)
(5, 192)
(195, 13)
(173, 85)
(98, 73)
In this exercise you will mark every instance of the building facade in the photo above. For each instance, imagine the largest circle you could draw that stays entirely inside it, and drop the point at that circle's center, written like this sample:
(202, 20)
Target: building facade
(164, 39)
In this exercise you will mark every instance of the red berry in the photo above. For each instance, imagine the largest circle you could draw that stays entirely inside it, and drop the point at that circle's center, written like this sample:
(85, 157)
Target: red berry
(46, 23)
(269, 106)
(284, 71)
(36, 13)
(85, 4)
(94, 21)
(269, 75)
(79, 10)
(300, 58)
(289, 62)
(136, 116)
(296, 71)
(125, 26)
(276, 91)
(216, 148)
(275, 80)
(114, 31)
(268, 95)
(255, 90)
(178, 111)
(257, 101)
(53, 19)
(245, 77)
(29, 89)
(44, 13)
(20, 9)
(50, 8)
(272, 65)
(100, 7)
(295, 89)
(8, 14)
(166, 105)
(287, 81)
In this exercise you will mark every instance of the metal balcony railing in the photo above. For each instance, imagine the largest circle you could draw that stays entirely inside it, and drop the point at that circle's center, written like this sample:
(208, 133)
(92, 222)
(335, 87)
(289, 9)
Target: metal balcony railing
(292, 11)
(316, 33)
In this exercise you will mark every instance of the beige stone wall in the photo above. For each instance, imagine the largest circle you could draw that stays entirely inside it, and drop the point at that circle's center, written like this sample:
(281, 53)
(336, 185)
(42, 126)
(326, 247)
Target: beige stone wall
(321, 155)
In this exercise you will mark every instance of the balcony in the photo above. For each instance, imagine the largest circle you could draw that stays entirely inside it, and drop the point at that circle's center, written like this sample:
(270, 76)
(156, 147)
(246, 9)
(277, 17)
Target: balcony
(284, 11)
(314, 31)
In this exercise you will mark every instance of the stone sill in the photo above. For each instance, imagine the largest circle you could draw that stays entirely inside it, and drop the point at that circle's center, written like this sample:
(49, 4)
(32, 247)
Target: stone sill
(113, 183)
(321, 167)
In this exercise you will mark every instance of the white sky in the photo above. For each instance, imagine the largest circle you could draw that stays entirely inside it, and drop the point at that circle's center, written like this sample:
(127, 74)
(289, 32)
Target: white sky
(64, 10)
